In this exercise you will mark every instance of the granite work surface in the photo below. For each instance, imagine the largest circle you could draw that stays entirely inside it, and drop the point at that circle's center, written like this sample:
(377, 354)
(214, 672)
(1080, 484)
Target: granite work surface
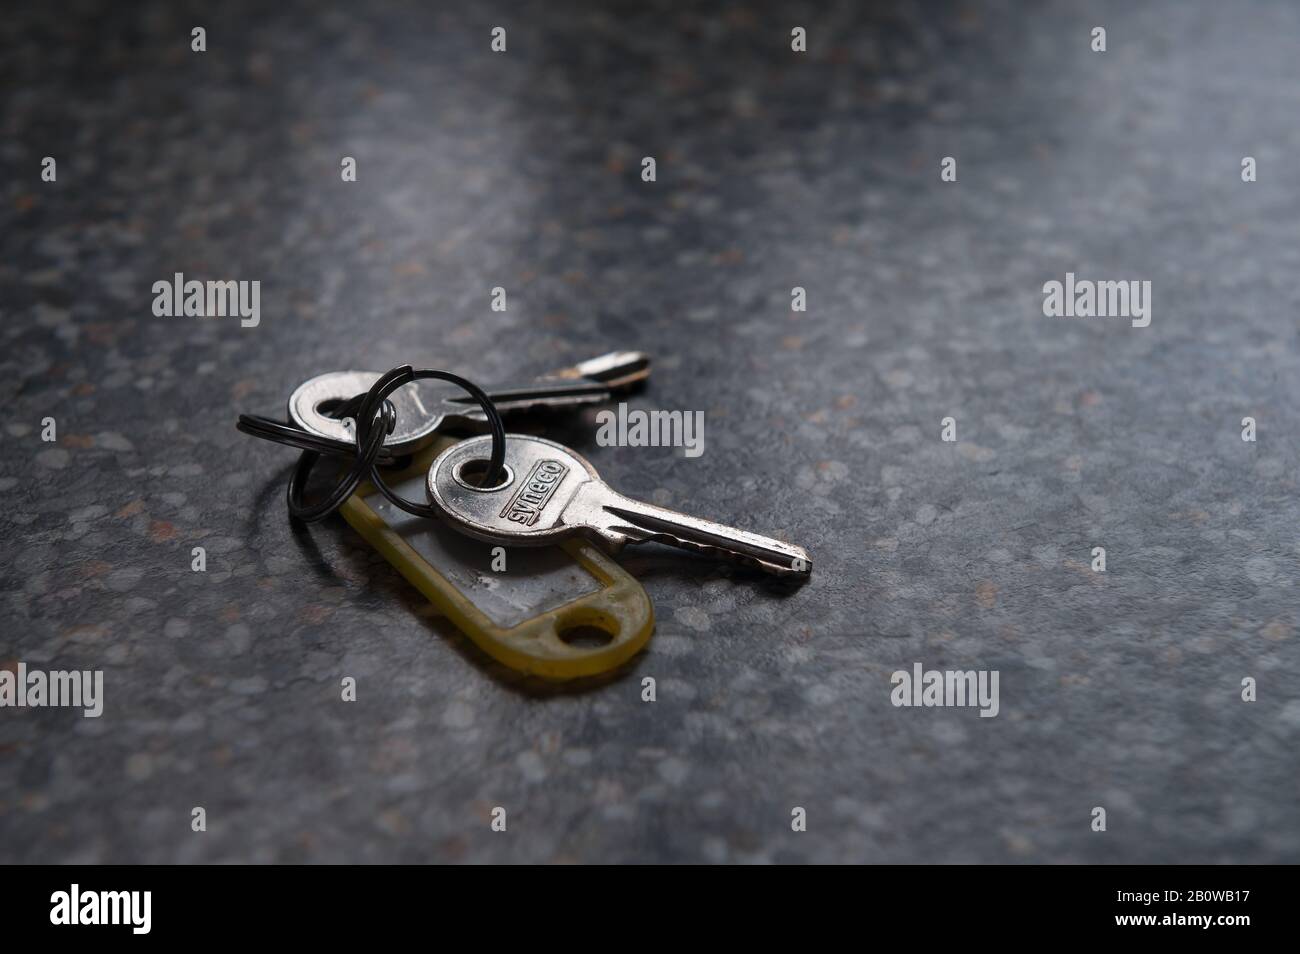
(774, 169)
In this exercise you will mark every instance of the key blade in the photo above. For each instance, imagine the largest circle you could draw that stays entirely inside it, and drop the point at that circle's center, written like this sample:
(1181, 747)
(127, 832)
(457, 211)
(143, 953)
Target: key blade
(615, 371)
(646, 522)
(530, 397)
(619, 370)
(593, 381)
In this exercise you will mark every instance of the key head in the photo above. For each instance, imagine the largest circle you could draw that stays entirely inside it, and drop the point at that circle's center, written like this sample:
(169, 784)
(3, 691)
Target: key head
(527, 509)
(416, 421)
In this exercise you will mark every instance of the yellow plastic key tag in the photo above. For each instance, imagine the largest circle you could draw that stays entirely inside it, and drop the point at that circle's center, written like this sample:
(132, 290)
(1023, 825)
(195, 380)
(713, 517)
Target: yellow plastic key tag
(525, 615)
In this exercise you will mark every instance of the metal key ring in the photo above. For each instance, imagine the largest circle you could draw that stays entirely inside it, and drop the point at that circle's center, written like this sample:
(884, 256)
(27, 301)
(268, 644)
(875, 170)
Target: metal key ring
(291, 435)
(365, 462)
(370, 441)
(269, 429)
(395, 379)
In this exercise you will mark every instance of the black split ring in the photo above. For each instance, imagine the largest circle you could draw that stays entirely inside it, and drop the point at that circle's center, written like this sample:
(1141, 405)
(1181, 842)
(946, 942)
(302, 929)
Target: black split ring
(366, 456)
(395, 379)
(370, 441)
(291, 435)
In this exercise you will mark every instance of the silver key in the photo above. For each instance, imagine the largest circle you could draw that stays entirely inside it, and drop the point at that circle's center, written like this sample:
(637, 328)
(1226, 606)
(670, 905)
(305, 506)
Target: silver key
(425, 407)
(550, 493)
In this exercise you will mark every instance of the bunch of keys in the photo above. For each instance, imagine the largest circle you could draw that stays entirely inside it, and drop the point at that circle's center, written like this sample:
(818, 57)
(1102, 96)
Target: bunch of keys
(526, 492)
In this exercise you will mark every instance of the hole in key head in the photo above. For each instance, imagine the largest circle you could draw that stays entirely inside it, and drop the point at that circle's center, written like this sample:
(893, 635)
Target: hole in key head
(330, 408)
(586, 637)
(470, 473)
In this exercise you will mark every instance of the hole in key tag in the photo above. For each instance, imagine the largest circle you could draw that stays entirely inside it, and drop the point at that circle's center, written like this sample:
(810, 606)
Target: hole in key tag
(588, 636)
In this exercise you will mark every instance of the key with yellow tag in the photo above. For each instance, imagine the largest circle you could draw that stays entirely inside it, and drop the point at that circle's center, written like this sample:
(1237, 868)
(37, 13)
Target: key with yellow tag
(538, 614)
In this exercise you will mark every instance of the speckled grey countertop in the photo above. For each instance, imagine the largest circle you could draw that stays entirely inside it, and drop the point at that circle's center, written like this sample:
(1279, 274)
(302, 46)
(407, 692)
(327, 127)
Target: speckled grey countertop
(775, 169)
